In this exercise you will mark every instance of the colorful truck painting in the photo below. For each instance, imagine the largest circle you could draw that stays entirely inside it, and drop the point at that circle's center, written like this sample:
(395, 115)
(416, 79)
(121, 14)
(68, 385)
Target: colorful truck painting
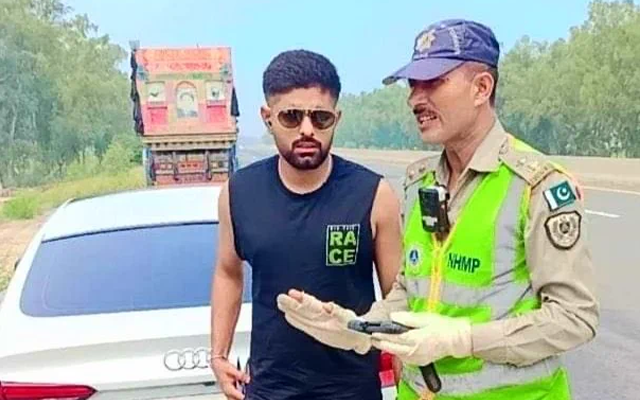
(185, 109)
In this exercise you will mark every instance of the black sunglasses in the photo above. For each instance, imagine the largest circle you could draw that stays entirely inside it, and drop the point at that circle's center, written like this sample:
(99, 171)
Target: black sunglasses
(320, 119)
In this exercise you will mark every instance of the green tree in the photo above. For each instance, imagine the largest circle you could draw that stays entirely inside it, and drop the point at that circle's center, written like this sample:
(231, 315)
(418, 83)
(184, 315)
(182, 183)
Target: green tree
(61, 93)
(574, 96)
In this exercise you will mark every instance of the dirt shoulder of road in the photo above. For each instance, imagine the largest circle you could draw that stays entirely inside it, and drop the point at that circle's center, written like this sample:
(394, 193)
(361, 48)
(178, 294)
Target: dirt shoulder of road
(14, 238)
(608, 173)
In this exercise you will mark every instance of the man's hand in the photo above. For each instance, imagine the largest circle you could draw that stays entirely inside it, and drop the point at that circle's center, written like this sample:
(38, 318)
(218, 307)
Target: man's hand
(228, 377)
(326, 322)
(435, 337)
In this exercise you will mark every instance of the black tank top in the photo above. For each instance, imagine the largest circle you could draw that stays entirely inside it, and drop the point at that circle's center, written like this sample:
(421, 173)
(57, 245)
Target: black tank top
(320, 242)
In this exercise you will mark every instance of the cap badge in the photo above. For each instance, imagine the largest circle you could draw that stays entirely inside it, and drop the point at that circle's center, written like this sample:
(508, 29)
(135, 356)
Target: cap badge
(425, 40)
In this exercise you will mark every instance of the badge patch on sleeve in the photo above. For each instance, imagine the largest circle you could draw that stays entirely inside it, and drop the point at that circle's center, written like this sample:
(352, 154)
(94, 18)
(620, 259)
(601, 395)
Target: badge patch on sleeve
(563, 229)
(559, 196)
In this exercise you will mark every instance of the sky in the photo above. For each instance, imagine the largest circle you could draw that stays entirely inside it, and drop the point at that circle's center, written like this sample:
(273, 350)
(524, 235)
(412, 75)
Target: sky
(365, 40)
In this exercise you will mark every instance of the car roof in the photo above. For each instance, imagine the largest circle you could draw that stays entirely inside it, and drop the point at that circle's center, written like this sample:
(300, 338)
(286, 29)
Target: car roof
(144, 207)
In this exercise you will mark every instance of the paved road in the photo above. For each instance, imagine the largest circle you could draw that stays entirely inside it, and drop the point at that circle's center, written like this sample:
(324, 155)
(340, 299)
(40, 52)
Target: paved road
(608, 367)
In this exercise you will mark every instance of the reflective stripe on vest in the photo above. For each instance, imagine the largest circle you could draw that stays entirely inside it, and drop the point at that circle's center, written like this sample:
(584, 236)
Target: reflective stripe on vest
(479, 272)
(486, 379)
(552, 384)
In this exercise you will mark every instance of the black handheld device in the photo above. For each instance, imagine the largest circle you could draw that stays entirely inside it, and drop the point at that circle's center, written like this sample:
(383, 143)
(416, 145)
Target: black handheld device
(429, 373)
(433, 207)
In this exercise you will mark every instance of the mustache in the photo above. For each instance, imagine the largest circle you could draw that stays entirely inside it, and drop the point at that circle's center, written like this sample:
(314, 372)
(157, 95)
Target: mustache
(420, 108)
(306, 142)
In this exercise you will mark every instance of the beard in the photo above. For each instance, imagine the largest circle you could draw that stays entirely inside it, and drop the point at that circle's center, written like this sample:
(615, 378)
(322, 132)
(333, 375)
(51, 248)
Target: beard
(305, 160)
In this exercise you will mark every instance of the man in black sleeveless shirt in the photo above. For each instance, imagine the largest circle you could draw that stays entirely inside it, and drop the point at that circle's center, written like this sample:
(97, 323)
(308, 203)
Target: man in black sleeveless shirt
(308, 219)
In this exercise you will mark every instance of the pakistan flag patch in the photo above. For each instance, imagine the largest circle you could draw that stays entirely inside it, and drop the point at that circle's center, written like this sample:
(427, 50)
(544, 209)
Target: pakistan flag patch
(342, 244)
(559, 196)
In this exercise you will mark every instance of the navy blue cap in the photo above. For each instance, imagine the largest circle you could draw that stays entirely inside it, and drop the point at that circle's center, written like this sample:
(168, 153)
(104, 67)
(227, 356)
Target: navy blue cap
(445, 45)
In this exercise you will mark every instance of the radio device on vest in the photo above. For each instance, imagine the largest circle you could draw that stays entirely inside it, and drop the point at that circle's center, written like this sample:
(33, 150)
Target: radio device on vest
(433, 207)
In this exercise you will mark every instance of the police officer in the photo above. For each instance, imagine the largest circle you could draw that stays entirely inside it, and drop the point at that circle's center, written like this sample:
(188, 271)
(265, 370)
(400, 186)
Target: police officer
(509, 285)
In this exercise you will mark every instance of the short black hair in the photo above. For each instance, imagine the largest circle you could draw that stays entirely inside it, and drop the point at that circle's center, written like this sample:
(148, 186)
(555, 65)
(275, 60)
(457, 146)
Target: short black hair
(294, 69)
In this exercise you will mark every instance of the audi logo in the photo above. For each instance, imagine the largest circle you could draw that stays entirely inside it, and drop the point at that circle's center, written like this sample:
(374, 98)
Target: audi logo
(175, 360)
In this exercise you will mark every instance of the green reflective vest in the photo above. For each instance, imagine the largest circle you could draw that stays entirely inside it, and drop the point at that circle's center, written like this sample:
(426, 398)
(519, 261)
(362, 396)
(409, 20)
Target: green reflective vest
(479, 272)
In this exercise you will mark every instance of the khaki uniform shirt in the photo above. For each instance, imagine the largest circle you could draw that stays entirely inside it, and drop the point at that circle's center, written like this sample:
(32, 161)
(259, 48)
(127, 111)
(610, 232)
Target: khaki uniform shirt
(563, 278)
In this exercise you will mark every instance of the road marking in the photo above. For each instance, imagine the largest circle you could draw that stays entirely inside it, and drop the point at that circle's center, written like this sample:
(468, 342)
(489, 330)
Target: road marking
(611, 190)
(602, 214)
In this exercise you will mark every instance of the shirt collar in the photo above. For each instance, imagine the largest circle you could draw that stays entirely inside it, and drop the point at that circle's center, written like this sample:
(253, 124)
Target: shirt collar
(486, 157)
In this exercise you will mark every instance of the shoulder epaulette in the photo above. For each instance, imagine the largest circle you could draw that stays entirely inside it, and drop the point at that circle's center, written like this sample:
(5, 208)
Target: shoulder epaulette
(530, 165)
(418, 169)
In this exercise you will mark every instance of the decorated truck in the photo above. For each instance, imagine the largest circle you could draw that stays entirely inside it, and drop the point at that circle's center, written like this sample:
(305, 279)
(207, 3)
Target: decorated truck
(186, 112)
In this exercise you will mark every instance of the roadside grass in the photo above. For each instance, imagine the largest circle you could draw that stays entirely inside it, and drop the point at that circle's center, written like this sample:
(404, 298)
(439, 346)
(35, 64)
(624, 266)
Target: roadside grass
(30, 203)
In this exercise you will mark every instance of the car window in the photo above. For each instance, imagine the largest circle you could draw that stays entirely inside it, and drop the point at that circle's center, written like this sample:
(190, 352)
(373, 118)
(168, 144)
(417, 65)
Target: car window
(150, 268)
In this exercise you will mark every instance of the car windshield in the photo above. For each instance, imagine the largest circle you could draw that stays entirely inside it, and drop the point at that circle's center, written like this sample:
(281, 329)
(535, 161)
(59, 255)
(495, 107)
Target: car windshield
(150, 268)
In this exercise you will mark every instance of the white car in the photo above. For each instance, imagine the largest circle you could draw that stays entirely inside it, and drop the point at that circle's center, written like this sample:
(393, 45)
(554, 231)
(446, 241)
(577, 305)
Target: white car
(110, 300)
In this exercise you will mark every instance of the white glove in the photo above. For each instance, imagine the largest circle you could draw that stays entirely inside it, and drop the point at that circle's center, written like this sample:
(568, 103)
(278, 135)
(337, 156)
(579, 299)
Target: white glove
(436, 337)
(326, 322)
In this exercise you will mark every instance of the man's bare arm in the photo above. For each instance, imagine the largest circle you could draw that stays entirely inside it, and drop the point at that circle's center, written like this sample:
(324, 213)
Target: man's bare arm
(226, 297)
(385, 216)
